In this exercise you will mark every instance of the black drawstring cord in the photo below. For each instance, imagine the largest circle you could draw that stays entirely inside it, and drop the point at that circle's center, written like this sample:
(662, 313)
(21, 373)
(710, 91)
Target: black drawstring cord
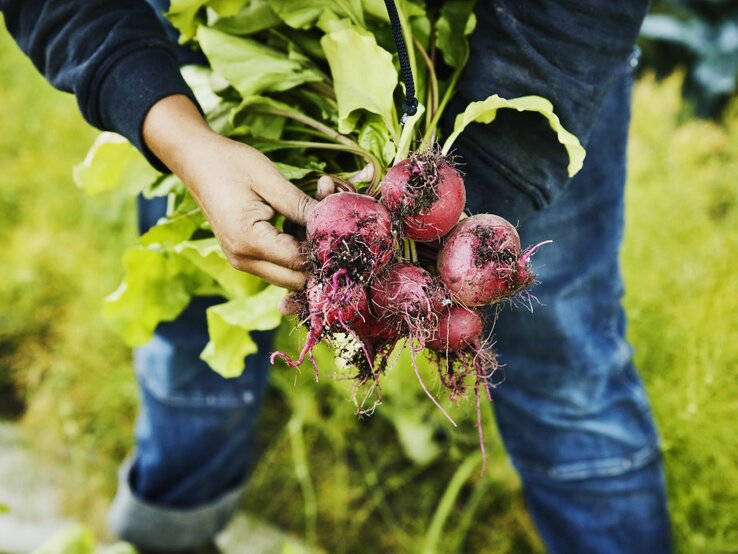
(410, 105)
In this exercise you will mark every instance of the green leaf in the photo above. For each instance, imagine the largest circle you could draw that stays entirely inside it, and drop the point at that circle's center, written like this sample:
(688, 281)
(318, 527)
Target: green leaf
(364, 78)
(250, 67)
(163, 186)
(485, 111)
(157, 286)
(208, 257)
(374, 136)
(457, 21)
(183, 14)
(303, 14)
(291, 172)
(229, 325)
(255, 16)
(199, 79)
(113, 163)
(173, 230)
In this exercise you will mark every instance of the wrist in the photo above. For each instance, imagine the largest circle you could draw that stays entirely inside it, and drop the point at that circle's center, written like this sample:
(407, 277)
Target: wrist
(172, 129)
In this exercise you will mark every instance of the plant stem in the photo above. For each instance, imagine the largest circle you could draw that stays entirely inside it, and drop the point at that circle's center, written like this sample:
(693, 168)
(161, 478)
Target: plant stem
(324, 88)
(413, 251)
(430, 131)
(302, 473)
(310, 122)
(351, 148)
(433, 535)
(433, 85)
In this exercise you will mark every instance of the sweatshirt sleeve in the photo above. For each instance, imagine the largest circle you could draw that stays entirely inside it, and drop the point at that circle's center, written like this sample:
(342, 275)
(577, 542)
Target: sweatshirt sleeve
(114, 57)
(568, 51)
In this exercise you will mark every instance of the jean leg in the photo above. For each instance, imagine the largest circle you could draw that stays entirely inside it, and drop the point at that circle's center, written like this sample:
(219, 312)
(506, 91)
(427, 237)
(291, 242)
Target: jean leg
(194, 433)
(572, 410)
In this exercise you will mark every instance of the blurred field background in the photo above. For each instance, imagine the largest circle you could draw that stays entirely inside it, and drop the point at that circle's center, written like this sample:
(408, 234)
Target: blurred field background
(344, 484)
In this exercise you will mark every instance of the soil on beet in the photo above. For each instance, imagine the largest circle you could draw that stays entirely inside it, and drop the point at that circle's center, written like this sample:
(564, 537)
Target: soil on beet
(423, 181)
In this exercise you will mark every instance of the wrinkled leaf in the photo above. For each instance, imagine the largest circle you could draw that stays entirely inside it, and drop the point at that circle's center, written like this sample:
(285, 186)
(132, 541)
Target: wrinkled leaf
(207, 255)
(183, 14)
(456, 22)
(173, 230)
(291, 172)
(255, 16)
(485, 111)
(374, 136)
(250, 67)
(364, 77)
(113, 163)
(229, 325)
(303, 14)
(157, 286)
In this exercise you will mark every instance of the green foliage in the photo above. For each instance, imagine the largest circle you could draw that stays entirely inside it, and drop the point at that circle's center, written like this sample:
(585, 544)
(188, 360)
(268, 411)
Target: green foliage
(701, 35)
(229, 325)
(351, 54)
(682, 295)
(485, 111)
(113, 163)
(457, 19)
(250, 67)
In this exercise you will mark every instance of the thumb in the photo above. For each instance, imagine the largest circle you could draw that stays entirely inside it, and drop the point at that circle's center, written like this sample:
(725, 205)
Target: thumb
(286, 198)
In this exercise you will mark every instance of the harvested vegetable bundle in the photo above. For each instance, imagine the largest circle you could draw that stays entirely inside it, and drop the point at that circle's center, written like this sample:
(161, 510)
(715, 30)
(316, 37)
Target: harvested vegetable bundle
(353, 292)
(293, 82)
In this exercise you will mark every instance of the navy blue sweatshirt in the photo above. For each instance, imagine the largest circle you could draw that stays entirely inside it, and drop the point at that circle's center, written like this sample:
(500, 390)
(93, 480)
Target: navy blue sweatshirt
(116, 58)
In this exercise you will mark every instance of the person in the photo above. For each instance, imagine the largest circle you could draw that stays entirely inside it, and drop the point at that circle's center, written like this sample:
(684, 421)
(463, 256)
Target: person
(573, 413)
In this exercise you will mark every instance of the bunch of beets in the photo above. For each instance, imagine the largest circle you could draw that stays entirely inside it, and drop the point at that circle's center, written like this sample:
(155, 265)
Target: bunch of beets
(405, 266)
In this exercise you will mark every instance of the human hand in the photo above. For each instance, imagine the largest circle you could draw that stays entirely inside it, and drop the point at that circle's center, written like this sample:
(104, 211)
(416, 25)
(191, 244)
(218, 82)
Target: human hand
(238, 189)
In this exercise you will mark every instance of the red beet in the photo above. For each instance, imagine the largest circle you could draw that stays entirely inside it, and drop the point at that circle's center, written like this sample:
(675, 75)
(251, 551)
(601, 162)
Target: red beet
(326, 307)
(458, 328)
(349, 231)
(426, 193)
(406, 297)
(481, 261)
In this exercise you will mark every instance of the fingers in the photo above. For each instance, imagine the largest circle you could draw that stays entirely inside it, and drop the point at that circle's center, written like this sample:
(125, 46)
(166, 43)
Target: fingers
(285, 197)
(326, 187)
(272, 273)
(262, 241)
(366, 174)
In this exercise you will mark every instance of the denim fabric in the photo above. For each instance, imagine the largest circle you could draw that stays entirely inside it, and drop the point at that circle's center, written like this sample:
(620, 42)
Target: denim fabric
(572, 411)
(194, 437)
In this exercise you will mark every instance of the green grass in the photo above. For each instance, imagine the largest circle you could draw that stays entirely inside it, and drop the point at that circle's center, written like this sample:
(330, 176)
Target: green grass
(343, 483)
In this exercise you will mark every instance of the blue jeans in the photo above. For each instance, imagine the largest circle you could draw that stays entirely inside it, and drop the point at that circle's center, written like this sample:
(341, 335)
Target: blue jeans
(572, 411)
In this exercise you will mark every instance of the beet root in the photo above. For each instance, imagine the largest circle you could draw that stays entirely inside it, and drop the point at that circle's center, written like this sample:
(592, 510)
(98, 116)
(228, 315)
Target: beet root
(426, 193)
(481, 262)
(349, 231)
(458, 328)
